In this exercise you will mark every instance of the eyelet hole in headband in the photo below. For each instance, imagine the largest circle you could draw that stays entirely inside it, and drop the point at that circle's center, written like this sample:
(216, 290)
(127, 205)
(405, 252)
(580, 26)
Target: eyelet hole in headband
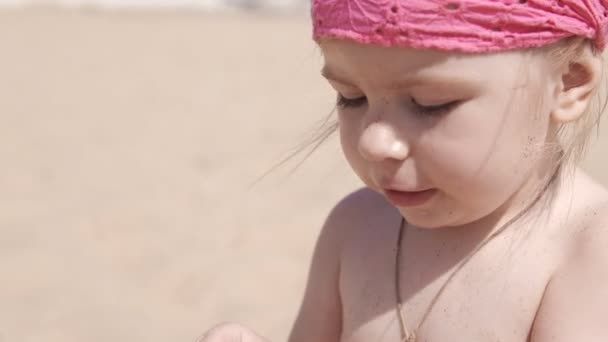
(452, 6)
(523, 1)
(394, 9)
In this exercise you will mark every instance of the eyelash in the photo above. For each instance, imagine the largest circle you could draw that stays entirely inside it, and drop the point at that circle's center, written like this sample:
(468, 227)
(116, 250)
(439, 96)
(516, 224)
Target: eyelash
(344, 102)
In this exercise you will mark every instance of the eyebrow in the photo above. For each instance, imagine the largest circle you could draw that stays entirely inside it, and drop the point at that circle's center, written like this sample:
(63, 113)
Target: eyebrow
(427, 79)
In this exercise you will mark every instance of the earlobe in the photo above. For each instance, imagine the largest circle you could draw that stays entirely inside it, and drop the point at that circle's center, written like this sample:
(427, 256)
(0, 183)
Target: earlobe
(577, 87)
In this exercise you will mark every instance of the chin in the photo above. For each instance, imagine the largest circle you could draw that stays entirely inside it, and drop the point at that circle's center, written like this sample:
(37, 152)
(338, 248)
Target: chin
(424, 219)
(437, 217)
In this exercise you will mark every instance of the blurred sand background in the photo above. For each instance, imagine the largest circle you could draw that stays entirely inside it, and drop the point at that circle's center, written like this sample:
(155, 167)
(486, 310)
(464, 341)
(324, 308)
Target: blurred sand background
(129, 144)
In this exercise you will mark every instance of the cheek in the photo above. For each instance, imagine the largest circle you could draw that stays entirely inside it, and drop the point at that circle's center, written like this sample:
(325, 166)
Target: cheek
(481, 158)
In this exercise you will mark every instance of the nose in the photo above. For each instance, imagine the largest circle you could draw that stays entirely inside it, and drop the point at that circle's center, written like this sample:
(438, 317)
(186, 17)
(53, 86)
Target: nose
(379, 141)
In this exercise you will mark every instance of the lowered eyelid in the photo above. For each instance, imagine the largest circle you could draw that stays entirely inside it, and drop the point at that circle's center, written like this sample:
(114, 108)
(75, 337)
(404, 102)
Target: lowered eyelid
(436, 95)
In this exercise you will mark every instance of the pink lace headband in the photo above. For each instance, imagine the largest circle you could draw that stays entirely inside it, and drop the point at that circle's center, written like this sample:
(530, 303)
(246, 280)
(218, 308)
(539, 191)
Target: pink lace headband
(461, 25)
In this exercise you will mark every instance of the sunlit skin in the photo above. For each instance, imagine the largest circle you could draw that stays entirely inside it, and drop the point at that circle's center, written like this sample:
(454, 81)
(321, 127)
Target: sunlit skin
(463, 126)
(471, 132)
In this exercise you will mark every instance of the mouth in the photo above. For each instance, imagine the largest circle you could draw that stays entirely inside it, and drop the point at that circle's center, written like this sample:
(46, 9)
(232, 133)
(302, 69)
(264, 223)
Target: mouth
(409, 199)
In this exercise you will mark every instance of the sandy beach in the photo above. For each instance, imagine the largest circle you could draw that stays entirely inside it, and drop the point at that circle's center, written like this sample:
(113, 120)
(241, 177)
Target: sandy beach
(131, 143)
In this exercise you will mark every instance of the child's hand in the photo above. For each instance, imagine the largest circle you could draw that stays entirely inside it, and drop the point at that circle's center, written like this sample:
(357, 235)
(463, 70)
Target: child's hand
(231, 332)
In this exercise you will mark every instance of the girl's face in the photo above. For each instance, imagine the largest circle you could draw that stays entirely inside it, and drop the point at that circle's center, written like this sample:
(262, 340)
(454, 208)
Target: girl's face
(448, 138)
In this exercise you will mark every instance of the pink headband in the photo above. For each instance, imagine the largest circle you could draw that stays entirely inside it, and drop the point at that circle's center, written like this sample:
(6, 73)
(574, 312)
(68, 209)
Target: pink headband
(461, 25)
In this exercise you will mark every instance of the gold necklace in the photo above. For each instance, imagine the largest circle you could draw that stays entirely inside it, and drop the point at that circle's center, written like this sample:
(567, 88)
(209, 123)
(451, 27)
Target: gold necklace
(406, 335)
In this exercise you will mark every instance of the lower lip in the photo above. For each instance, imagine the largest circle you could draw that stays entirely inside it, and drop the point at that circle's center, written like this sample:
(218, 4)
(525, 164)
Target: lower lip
(409, 199)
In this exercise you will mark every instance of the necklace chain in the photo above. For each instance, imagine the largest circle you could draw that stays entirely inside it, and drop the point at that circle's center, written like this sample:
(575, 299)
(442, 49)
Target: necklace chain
(406, 335)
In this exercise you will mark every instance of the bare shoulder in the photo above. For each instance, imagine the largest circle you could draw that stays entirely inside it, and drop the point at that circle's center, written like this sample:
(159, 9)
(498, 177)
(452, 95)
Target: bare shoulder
(588, 234)
(589, 245)
(359, 213)
(363, 204)
(575, 302)
(320, 316)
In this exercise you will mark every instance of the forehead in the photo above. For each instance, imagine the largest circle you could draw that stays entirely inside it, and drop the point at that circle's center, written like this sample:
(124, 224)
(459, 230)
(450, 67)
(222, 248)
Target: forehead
(354, 62)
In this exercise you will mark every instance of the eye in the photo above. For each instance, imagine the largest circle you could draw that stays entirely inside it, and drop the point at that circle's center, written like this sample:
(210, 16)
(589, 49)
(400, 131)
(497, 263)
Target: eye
(435, 110)
(344, 102)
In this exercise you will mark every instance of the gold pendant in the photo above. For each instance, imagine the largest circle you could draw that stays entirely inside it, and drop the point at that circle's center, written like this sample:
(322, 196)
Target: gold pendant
(409, 338)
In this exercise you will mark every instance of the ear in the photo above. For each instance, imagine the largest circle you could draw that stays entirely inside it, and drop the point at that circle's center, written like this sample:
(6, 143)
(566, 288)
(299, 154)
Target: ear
(578, 83)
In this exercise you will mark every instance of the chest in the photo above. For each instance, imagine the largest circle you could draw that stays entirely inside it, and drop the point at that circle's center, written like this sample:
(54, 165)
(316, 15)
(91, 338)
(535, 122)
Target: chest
(494, 297)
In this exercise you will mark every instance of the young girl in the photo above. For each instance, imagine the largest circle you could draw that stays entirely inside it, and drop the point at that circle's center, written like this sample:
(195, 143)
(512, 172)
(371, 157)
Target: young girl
(465, 120)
